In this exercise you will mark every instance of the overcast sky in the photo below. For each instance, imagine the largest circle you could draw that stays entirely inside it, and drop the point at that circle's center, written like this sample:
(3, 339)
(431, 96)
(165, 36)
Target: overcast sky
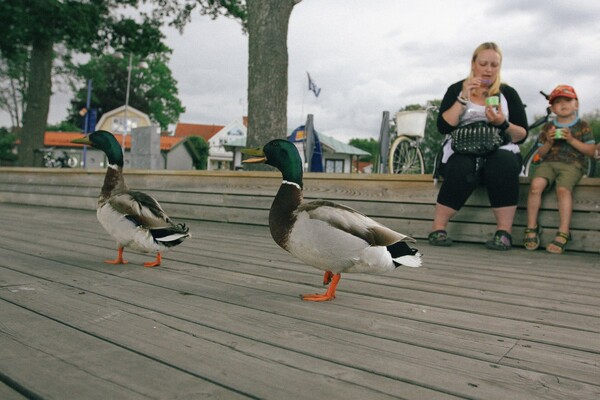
(369, 56)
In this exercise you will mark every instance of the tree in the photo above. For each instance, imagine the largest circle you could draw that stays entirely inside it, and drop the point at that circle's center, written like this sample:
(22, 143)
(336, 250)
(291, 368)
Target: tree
(39, 27)
(370, 145)
(267, 69)
(34, 27)
(199, 150)
(13, 84)
(431, 144)
(7, 146)
(153, 90)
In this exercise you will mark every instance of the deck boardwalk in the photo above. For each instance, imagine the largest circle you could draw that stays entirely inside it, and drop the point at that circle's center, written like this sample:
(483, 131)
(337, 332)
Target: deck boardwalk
(222, 319)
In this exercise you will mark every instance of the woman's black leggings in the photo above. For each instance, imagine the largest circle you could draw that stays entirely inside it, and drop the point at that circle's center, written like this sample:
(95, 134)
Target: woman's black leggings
(499, 173)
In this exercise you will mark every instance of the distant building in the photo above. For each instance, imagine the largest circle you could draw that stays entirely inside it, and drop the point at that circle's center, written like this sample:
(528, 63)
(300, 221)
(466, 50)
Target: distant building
(174, 155)
(114, 120)
(224, 141)
(219, 138)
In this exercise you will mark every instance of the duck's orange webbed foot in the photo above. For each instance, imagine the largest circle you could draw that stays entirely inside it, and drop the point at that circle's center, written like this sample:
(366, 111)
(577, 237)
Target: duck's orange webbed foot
(329, 295)
(327, 278)
(155, 263)
(119, 259)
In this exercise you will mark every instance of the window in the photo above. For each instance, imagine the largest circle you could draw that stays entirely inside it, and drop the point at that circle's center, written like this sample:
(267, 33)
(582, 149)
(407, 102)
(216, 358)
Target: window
(118, 123)
(334, 166)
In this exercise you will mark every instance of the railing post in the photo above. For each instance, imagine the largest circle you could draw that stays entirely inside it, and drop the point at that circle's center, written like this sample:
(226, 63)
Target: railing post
(384, 143)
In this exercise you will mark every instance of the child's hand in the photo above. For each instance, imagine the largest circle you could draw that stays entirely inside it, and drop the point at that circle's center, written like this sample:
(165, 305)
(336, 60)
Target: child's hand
(566, 134)
(550, 135)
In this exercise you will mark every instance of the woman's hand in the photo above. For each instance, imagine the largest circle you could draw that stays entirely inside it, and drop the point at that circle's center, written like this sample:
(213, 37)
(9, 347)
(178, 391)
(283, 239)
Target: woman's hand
(494, 115)
(469, 85)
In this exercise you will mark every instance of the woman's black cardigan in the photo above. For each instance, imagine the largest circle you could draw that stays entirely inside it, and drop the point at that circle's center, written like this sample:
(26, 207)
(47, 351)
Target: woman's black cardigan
(516, 109)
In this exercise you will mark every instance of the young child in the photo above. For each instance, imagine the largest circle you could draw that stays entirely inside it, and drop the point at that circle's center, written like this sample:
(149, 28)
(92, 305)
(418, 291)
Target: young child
(563, 145)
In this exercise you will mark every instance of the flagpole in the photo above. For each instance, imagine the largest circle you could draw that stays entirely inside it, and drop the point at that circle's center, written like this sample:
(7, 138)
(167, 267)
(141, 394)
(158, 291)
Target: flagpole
(302, 109)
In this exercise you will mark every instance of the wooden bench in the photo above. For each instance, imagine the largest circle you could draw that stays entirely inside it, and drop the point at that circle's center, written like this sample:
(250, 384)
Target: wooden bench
(403, 202)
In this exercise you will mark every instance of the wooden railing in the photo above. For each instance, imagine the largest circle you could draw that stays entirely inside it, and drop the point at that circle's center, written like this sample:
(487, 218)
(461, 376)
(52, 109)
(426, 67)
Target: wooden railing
(402, 202)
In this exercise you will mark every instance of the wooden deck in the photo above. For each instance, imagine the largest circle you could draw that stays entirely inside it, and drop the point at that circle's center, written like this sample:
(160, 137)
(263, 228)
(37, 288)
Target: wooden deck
(222, 319)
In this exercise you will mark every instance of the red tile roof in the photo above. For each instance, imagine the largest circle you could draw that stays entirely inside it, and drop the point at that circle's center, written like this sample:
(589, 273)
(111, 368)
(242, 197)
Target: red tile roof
(205, 131)
(63, 139)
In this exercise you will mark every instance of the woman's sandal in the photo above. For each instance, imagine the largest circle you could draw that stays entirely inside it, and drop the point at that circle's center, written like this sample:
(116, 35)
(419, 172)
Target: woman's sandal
(559, 245)
(502, 240)
(532, 242)
(439, 238)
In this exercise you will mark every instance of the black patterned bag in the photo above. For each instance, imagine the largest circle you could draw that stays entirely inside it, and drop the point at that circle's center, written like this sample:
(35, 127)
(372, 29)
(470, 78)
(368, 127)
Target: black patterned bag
(477, 139)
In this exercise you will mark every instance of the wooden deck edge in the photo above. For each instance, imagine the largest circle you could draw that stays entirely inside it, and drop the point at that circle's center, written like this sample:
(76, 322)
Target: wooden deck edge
(384, 197)
(594, 182)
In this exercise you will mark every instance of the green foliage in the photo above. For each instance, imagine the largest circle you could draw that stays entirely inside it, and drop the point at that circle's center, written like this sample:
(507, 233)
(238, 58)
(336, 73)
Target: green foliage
(371, 145)
(593, 118)
(199, 150)
(7, 145)
(90, 27)
(64, 126)
(153, 90)
(13, 83)
(180, 11)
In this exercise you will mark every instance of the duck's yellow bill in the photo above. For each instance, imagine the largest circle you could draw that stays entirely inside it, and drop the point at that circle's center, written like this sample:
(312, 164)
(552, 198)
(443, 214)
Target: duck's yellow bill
(257, 153)
(83, 140)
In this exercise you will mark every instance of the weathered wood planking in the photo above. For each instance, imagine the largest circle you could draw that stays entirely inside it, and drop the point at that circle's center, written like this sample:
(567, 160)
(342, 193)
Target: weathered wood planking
(405, 203)
(221, 318)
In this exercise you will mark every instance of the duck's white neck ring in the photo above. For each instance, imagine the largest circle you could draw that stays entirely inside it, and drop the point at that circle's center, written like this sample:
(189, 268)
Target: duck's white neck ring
(113, 166)
(291, 183)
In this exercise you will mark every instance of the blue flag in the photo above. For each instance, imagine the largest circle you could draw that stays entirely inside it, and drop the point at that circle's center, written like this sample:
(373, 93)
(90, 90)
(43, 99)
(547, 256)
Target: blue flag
(312, 86)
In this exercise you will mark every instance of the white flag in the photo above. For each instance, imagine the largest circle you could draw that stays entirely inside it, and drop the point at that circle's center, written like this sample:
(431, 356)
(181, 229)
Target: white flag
(312, 86)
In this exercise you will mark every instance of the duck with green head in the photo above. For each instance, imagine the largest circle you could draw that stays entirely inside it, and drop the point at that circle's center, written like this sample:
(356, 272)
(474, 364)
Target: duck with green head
(134, 219)
(329, 236)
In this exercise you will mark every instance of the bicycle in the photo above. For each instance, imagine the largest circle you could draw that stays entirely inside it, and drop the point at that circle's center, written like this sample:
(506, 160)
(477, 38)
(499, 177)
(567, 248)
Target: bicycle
(52, 161)
(532, 159)
(405, 154)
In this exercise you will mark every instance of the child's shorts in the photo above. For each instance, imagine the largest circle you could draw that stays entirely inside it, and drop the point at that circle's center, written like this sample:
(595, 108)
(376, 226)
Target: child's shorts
(565, 175)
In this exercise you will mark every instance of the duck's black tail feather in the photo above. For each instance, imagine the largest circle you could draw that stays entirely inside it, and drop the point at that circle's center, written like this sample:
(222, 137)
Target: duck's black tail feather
(172, 235)
(403, 254)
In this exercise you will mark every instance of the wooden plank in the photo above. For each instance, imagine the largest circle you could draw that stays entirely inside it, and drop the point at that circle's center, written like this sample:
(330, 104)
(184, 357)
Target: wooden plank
(325, 341)
(85, 203)
(243, 193)
(8, 393)
(308, 279)
(358, 310)
(66, 362)
(248, 366)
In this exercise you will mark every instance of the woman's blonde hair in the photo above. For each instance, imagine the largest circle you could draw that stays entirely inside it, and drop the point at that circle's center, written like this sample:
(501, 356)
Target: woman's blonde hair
(495, 86)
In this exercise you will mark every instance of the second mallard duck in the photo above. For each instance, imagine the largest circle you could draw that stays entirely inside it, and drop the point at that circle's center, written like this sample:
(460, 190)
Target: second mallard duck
(134, 219)
(329, 236)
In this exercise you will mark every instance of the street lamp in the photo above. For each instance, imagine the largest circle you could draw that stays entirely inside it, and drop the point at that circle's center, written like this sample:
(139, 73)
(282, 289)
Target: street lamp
(142, 65)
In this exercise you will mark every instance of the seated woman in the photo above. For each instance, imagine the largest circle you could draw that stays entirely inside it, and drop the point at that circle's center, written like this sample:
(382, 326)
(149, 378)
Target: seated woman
(465, 103)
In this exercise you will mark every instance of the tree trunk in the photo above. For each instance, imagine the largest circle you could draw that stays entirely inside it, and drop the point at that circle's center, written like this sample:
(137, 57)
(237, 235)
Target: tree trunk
(268, 22)
(38, 103)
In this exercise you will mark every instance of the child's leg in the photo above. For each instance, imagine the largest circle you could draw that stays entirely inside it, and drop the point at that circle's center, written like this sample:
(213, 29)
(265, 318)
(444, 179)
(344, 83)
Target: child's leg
(534, 200)
(565, 208)
(566, 180)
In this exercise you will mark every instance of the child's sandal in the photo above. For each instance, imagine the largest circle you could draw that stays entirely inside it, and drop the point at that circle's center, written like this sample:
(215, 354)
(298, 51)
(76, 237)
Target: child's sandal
(532, 242)
(559, 245)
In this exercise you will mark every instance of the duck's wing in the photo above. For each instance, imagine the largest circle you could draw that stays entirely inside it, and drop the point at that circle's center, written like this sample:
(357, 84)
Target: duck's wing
(141, 208)
(352, 222)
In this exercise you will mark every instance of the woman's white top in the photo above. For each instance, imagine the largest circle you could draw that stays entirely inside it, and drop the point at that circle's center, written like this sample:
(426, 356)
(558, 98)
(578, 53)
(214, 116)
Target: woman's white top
(473, 113)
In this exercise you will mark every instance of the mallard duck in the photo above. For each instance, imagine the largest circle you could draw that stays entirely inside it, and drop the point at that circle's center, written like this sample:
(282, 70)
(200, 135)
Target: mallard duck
(328, 236)
(134, 219)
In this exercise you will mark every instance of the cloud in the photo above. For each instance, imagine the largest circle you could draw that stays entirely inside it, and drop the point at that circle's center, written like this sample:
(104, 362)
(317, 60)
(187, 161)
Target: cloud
(369, 57)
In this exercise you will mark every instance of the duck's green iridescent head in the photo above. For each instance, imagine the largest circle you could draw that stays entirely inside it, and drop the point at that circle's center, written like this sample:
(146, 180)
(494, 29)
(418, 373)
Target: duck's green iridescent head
(105, 141)
(281, 154)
